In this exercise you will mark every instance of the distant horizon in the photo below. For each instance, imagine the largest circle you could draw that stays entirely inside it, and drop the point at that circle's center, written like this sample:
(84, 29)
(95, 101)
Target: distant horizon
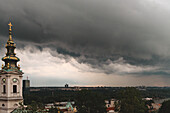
(92, 86)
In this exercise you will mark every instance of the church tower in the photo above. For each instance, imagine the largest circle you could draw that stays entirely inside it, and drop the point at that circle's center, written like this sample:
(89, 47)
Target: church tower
(10, 78)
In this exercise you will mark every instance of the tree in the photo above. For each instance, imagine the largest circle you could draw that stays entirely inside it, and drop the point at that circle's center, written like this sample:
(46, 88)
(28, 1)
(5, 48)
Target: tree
(21, 105)
(130, 101)
(90, 102)
(165, 108)
(54, 110)
(34, 106)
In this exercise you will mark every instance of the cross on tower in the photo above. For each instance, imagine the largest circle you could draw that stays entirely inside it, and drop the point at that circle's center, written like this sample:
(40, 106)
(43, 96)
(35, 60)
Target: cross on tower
(10, 25)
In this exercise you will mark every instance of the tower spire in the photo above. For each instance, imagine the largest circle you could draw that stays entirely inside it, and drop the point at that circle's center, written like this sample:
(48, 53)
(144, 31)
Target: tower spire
(10, 31)
(10, 78)
(10, 59)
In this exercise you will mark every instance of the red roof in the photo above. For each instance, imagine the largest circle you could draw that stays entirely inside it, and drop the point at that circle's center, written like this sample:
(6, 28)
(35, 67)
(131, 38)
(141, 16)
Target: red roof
(63, 110)
(110, 108)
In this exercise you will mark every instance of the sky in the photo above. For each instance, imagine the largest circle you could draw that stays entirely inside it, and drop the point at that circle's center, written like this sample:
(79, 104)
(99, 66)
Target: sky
(90, 42)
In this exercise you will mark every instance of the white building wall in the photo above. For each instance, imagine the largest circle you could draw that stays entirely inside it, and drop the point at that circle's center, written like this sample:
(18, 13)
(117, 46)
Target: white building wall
(9, 101)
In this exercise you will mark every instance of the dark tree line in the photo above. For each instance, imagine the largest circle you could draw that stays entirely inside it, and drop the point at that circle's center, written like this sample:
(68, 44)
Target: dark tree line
(130, 101)
(90, 102)
(165, 108)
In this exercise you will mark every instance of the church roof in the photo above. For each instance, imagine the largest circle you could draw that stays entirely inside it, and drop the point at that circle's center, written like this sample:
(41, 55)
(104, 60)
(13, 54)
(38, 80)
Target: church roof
(10, 59)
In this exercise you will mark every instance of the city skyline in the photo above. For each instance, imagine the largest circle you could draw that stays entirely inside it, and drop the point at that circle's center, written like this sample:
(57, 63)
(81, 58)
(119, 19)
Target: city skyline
(90, 43)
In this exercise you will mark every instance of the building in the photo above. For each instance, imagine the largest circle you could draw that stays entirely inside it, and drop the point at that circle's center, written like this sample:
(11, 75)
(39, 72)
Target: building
(10, 78)
(66, 107)
(26, 84)
(66, 85)
(110, 105)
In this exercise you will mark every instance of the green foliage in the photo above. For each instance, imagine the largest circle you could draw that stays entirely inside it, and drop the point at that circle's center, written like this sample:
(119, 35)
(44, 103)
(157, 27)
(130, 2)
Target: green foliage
(54, 110)
(51, 94)
(156, 92)
(34, 106)
(46, 96)
(90, 102)
(131, 101)
(165, 108)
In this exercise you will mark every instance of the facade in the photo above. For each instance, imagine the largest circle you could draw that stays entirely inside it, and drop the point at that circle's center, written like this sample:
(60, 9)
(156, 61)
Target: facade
(10, 78)
(65, 107)
(110, 105)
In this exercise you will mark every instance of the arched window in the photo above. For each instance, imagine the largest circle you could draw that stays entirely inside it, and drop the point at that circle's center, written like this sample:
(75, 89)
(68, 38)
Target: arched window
(3, 105)
(14, 88)
(4, 89)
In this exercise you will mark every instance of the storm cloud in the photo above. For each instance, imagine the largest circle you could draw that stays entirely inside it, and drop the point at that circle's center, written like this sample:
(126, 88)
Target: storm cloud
(110, 36)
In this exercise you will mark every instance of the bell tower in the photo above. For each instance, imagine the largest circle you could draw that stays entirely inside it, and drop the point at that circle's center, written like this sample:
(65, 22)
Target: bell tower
(10, 78)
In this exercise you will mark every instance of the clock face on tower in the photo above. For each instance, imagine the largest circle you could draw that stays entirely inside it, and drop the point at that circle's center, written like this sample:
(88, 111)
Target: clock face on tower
(3, 80)
(15, 80)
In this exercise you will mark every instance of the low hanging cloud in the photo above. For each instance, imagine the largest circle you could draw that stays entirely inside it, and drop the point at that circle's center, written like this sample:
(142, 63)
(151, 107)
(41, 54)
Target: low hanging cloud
(43, 69)
(43, 63)
(119, 66)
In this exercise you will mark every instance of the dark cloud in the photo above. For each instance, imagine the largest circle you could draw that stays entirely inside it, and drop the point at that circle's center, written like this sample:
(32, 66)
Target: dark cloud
(93, 31)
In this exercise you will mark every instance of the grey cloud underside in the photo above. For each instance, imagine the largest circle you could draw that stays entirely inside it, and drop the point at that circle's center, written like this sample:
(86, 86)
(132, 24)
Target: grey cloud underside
(98, 30)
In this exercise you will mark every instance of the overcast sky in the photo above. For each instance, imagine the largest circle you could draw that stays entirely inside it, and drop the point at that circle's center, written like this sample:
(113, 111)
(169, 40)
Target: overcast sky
(90, 42)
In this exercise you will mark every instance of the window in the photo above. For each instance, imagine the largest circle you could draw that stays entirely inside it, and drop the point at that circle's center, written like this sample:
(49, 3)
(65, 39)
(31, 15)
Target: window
(3, 105)
(15, 80)
(3, 80)
(4, 89)
(14, 88)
